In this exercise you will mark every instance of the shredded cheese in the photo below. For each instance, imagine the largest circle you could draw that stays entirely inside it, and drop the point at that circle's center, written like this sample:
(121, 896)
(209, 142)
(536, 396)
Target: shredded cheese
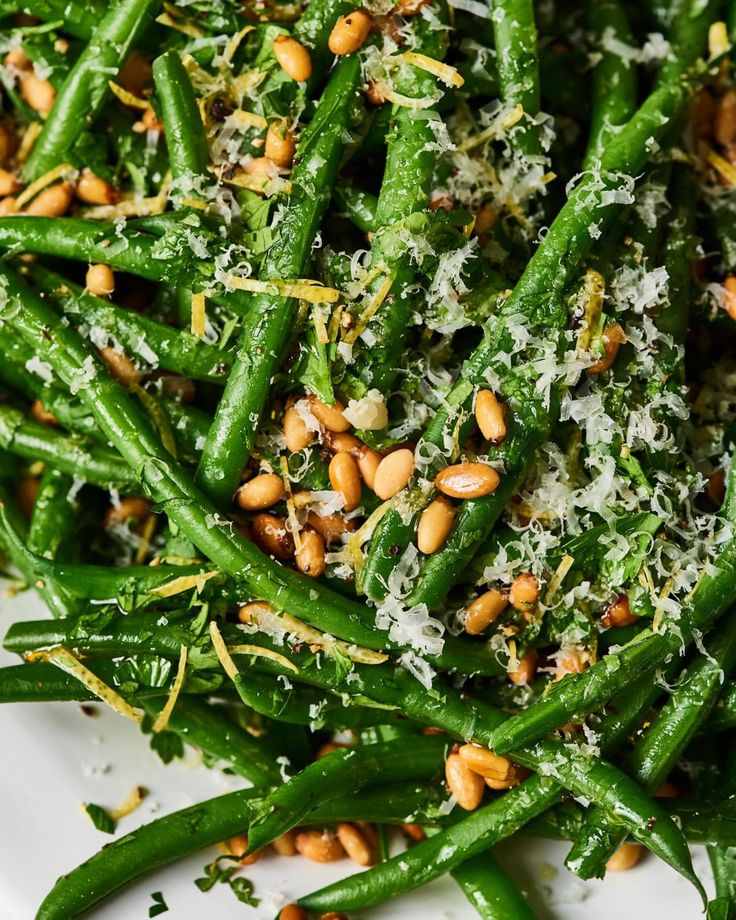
(234, 43)
(593, 292)
(292, 520)
(162, 719)
(66, 661)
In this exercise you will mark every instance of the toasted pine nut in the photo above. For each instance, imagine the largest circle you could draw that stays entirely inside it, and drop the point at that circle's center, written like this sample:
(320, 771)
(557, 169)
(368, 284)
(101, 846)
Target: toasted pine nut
(333, 915)
(148, 122)
(260, 492)
(702, 115)
(38, 93)
(330, 417)
(414, 831)
(729, 297)
(516, 775)
(440, 201)
(467, 787)
(345, 479)
(8, 206)
(715, 488)
(93, 190)
(526, 670)
(349, 32)
(261, 168)
(39, 414)
(370, 833)
(724, 123)
(284, 845)
(271, 535)
(236, 846)
(374, 93)
(489, 415)
(120, 366)
(368, 461)
(16, 59)
(53, 201)
(571, 660)
(435, 525)
(329, 747)
(393, 473)
(8, 182)
(467, 480)
(136, 73)
(280, 144)
(484, 762)
(331, 527)
(8, 142)
(26, 492)
(319, 846)
(127, 509)
(667, 790)
(341, 442)
(297, 435)
(618, 613)
(310, 557)
(524, 592)
(292, 912)
(625, 857)
(613, 337)
(100, 280)
(484, 610)
(486, 217)
(354, 844)
(293, 57)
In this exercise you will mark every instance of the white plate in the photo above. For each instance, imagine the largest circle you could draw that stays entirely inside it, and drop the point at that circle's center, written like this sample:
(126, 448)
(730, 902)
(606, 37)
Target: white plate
(53, 757)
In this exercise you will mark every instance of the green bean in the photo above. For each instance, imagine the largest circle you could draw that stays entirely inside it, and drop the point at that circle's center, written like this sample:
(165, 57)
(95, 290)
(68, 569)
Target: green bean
(79, 19)
(267, 329)
(723, 715)
(490, 890)
(96, 464)
(338, 774)
(358, 205)
(723, 864)
(658, 749)
(185, 137)
(86, 89)
(614, 77)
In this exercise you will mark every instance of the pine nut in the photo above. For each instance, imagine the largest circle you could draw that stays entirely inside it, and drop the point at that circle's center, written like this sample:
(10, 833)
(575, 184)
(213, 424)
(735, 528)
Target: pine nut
(667, 790)
(409, 7)
(261, 168)
(368, 461)
(489, 415)
(414, 831)
(53, 201)
(249, 613)
(18, 61)
(625, 857)
(527, 668)
(297, 435)
(350, 32)
(237, 846)
(310, 557)
(8, 142)
(393, 473)
(516, 775)
(613, 337)
(39, 414)
(485, 763)
(329, 747)
(724, 122)
(280, 144)
(120, 366)
(524, 592)
(8, 182)
(729, 298)
(39, 94)
(8, 206)
(284, 845)
(333, 915)
(715, 488)
(435, 525)
(292, 912)
(486, 217)
(331, 527)
(484, 610)
(345, 479)
(355, 844)
(467, 480)
(330, 417)
(127, 509)
(136, 73)
(319, 846)
(467, 787)
(618, 613)
(270, 534)
(341, 442)
(260, 492)
(571, 660)
(293, 57)
(93, 190)
(100, 280)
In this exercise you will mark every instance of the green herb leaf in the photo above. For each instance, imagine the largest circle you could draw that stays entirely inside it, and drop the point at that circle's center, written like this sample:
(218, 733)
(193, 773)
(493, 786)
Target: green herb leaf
(159, 906)
(100, 818)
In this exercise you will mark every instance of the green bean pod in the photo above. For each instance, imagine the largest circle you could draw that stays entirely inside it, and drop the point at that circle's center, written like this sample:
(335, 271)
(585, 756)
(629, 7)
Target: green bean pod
(185, 137)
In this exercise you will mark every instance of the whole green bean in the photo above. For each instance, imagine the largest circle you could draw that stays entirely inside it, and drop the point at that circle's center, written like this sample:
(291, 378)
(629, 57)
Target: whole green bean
(490, 890)
(185, 137)
(79, 18)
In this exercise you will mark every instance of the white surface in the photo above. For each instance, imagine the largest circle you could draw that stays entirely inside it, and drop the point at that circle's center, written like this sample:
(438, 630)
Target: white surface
(53, 757)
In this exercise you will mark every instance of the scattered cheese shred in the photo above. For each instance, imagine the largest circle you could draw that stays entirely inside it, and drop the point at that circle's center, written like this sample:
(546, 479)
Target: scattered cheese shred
(183, 583)
(162, 719)
(559, 576)
(302, 289)
(198, 314)
(130, 803)
(659, 611)
(30, 136)
(46, 179)
(127, 98)
(66, 661)
(259, 652)
(443, 72)
(370, 311)
(218, 643)
(726, 169)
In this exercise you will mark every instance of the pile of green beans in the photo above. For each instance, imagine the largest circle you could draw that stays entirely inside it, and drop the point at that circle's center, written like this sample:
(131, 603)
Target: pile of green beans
(366, 423)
